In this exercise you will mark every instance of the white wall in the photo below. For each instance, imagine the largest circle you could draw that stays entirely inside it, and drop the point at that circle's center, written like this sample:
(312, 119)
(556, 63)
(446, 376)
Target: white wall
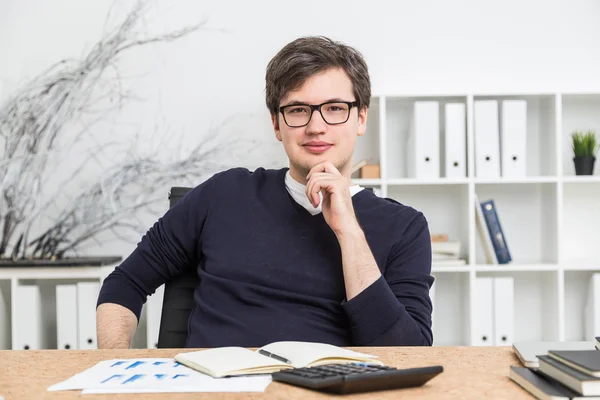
(412, 47)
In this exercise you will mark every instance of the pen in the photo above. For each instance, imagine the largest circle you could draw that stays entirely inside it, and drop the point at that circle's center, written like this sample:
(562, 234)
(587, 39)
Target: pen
(275, 356)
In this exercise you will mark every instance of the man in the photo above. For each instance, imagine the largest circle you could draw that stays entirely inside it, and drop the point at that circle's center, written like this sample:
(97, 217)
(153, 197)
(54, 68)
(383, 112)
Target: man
(290, 254)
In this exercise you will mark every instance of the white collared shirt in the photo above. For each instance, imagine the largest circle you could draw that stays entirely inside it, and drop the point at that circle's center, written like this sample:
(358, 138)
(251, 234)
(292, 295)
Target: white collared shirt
(298, 193)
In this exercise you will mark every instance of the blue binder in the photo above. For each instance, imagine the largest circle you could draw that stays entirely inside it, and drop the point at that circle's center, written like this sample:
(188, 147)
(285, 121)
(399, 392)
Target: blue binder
(496, 233)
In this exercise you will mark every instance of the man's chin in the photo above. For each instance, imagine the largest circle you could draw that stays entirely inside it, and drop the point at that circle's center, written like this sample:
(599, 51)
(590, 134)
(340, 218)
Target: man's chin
(310, 165)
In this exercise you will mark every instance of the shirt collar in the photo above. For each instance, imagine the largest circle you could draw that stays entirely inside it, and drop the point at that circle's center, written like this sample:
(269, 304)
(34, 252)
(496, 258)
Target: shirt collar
(298, 193)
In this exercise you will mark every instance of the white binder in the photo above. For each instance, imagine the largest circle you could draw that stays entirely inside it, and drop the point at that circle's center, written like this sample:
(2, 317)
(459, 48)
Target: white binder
(432, 297)
(423, 144)
(153, 315)
(455, 126)
(28, 330)
(484, 311)
(487, 139)
(66, 316)
(5, 315)
(514, 138)
(503, 311)
(592, 308)
(87, 297)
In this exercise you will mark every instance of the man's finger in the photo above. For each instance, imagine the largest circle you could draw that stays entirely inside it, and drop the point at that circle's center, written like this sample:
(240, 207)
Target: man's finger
(312, 193)
(316, 185)
(325, 166)
(314, 175)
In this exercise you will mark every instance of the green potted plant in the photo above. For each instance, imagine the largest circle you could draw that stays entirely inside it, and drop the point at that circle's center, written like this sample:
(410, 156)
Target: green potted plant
(584, 149)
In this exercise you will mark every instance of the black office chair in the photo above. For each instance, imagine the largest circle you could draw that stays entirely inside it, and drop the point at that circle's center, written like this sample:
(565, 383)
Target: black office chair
(178, 298)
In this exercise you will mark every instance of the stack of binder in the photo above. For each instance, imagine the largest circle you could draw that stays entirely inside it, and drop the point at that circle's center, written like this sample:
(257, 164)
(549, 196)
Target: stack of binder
(500, 138)
(494, 313)
(75, 316)
(427, 155)
(562, 374)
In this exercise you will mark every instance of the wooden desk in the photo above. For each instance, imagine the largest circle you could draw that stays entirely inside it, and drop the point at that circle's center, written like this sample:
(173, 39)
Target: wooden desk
(469, 373)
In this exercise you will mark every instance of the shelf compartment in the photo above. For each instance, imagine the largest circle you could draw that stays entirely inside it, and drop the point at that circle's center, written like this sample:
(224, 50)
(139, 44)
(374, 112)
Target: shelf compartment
(579, 112)
(444, 207)
(536, 304)
(581, 220)
(451, 320)
(541, 132)
(528, 216)
(577, 286)
(398, 120)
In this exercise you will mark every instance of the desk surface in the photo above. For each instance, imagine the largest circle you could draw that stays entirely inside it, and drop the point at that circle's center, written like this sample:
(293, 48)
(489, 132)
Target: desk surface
(469, 373)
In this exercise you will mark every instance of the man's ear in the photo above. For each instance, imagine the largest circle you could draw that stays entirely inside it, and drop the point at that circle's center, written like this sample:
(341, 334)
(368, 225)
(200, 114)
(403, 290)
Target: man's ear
(275, 121)
(362, 120)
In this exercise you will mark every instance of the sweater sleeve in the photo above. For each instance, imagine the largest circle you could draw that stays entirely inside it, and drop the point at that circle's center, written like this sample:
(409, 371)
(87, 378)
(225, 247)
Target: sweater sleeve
(169, 247)
(396, 309)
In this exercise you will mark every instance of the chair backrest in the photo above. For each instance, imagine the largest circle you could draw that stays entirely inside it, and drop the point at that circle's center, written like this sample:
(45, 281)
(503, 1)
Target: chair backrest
(178, 300)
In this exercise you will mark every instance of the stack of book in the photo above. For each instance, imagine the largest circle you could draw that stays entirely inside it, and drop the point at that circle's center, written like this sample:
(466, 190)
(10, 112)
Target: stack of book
(445, 252)
(562, 374)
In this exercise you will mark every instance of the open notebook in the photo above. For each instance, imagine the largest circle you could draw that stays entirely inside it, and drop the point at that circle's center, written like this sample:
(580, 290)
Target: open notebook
(230, 361)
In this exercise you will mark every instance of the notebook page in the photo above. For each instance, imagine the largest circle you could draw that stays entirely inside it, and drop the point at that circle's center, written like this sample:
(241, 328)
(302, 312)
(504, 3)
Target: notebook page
(302, 354)
(222, 361)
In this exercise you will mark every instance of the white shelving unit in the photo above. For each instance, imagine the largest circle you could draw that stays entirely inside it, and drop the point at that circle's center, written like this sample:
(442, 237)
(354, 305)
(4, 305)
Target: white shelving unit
(550, 217)
(11, 278)
(46, 279)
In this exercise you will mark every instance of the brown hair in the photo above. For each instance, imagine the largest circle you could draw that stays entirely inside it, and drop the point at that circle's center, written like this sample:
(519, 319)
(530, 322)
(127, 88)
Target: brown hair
(307, 56)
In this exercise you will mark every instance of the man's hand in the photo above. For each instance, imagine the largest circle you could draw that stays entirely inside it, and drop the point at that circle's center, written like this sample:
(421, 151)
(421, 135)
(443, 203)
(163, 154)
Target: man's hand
(338, 210)
(359, 265)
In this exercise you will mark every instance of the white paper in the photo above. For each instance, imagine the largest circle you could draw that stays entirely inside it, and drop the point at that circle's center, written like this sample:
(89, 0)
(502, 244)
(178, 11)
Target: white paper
(155, 375)
(304, 353)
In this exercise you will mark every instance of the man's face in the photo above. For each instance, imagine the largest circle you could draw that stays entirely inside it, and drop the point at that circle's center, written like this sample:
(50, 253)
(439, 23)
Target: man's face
(318, 141)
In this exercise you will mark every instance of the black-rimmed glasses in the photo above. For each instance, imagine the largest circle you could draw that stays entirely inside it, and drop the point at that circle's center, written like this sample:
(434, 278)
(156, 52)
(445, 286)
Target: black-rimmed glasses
(332, 112)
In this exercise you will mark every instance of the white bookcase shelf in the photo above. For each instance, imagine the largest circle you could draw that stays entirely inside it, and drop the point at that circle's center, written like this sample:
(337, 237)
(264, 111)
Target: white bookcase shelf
(550, 217)
(41, 314)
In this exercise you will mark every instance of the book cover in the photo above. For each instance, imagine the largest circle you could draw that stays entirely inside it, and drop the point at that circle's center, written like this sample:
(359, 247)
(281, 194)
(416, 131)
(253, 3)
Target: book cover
(492, 221)
(486, 240)
(541, 386)
(586, 361)
(580, 382)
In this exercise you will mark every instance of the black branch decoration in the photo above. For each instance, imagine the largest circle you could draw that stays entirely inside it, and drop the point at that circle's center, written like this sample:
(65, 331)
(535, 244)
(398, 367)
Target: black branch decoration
(61, 106)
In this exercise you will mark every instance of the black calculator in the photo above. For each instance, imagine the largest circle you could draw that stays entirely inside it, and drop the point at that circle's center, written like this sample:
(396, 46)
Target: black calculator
(356, 377)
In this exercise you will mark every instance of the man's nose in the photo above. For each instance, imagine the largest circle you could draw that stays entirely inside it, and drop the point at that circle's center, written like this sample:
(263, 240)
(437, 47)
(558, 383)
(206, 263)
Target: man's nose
(317, 124)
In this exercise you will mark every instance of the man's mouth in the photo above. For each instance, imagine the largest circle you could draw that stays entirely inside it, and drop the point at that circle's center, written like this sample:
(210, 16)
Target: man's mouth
(318, 147)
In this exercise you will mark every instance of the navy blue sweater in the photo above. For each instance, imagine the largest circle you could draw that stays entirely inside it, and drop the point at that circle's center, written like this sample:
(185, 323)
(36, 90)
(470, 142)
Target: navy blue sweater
(269, 270)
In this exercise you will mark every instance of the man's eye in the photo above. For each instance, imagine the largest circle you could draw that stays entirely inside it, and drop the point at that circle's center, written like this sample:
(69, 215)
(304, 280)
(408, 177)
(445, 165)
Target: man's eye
(297, 110)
